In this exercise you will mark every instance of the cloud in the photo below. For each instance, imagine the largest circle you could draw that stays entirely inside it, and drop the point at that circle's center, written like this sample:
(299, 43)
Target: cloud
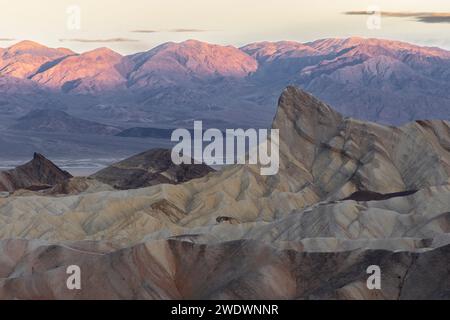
(111, 40)
(7, 39)
(144, 31)
(187, 30)
(434, 19)
(425, 17)
(178, 30)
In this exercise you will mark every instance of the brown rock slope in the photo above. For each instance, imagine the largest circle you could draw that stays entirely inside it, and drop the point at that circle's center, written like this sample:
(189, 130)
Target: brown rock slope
(149, 168)
(233, 270)
(40, 173)
(349, 194)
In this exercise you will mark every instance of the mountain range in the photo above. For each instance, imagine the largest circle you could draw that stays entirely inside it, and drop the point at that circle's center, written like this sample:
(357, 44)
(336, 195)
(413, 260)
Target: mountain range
(379, 80)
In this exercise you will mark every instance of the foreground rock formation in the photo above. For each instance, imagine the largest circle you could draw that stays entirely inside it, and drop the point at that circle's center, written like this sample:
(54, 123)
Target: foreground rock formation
(349, 194)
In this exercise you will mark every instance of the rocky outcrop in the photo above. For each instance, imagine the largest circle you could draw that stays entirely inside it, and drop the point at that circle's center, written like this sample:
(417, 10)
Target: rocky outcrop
(38, 174)
(149, 168)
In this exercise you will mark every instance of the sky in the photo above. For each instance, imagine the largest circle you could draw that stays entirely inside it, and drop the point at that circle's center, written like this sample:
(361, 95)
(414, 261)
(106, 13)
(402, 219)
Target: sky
(138, 25)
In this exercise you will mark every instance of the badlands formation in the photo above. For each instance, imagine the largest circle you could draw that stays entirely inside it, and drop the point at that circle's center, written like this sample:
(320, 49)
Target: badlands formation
(38, 174)
(349, 194)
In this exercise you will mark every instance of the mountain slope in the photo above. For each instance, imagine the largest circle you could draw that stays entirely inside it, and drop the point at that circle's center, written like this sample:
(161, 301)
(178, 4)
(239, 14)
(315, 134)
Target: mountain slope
(371, 79)
(236, 270)
(191, 60)
(25, 58)
(59, 121)
(149, 168)
(90, 72)
(39, 173)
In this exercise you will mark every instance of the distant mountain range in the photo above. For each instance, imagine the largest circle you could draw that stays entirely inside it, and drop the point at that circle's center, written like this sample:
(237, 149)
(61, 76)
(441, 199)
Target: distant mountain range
(380, 80)
(60, 121)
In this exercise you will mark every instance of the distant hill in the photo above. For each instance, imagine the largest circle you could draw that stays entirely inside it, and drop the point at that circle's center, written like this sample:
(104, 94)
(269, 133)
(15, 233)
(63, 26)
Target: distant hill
(140, 132)
(60, 121)
(149, 168)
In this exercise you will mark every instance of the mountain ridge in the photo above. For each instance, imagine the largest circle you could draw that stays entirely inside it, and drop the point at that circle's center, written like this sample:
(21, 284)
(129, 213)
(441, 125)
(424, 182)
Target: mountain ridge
(48, 120)
(386, 81)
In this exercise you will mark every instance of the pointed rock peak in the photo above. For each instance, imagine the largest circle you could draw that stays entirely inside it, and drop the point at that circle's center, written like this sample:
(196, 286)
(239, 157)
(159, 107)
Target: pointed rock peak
(299, 110)
(298, 99)
(38, 156)
(39, 159)
(40, 164)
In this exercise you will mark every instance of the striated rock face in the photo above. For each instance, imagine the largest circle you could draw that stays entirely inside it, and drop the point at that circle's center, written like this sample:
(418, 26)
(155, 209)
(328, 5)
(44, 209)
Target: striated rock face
(40, 173)
(149, 168)
(242, 269)
(338, 156)
(349, 194)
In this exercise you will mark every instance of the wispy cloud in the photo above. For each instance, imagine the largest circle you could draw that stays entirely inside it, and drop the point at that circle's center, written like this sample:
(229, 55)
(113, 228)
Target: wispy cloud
(425, 17)
(435, 19)
(7, 39)
(111, 40)
(178, 30)
(187, 30)
(144, 31)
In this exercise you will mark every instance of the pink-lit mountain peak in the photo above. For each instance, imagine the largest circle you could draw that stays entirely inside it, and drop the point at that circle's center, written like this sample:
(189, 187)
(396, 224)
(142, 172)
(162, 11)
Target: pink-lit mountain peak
(23, 59)
(285, 49)
(102, 52)
(207, 58)
(35, 49)
(91, 71)
(173, 62)
(26, 45)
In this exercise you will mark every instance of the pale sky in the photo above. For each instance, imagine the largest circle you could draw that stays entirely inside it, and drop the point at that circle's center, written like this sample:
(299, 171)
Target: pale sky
(235, 22)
